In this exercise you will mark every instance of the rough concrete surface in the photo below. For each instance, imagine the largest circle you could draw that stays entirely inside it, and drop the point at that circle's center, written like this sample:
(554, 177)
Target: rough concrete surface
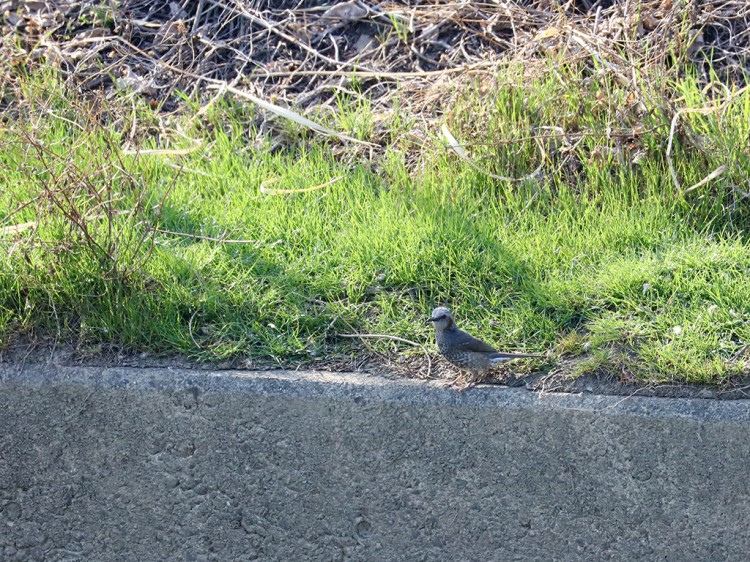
(160, 464)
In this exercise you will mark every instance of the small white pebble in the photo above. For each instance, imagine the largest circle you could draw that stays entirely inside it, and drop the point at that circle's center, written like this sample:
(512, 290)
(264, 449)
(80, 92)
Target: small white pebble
(587, 346)
(712, 309)
(646, 287)
(677, 330)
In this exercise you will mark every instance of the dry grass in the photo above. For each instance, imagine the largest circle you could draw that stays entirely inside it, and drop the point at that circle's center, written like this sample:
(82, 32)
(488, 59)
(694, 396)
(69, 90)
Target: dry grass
(303, 54)
(423, 59)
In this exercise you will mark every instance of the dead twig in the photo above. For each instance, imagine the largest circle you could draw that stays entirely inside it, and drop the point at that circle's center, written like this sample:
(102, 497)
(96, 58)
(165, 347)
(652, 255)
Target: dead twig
(288, 114)
(672, 127)
(208, 238)
(270, 191)
(395, 338)
(713, 175)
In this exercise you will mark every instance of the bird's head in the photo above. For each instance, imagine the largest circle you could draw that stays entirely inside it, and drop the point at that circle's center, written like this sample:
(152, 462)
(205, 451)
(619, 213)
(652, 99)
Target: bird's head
(442, 318)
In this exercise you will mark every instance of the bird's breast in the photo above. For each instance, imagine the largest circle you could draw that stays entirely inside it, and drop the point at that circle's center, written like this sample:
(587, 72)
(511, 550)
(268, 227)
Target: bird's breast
(442, 342)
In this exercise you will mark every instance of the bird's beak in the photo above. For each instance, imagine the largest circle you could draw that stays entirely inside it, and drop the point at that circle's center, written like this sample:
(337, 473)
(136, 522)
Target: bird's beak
(430, 320)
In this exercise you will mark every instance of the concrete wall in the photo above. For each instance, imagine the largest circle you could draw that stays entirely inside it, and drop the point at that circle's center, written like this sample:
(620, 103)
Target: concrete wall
(159, 464)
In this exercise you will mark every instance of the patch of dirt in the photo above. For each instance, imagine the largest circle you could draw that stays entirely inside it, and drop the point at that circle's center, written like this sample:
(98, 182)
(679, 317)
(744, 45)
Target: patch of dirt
(552, 377)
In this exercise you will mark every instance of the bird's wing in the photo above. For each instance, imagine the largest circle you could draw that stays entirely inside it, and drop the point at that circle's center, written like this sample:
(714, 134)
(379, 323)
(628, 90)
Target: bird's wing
(464, 342)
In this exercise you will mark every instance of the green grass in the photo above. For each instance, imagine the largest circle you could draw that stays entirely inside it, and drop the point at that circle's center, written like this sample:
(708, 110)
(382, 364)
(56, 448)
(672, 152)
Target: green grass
(601, 257)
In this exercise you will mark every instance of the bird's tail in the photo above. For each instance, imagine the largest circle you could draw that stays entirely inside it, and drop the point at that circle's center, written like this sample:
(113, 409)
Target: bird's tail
(500, 357)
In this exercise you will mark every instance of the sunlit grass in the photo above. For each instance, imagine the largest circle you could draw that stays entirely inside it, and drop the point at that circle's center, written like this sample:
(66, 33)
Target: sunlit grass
(600, 256)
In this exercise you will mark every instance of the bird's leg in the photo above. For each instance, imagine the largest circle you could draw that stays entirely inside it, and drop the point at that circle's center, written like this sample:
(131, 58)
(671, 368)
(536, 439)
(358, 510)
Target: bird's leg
(471, 382)
(513, 381)
(454, 382)
(466, 386)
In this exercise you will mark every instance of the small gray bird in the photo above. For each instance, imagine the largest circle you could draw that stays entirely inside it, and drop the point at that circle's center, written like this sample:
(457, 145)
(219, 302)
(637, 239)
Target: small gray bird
(465, 352)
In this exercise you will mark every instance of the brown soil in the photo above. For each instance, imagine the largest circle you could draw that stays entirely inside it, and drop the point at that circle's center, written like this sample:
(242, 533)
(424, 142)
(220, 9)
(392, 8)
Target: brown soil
(517, 374)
